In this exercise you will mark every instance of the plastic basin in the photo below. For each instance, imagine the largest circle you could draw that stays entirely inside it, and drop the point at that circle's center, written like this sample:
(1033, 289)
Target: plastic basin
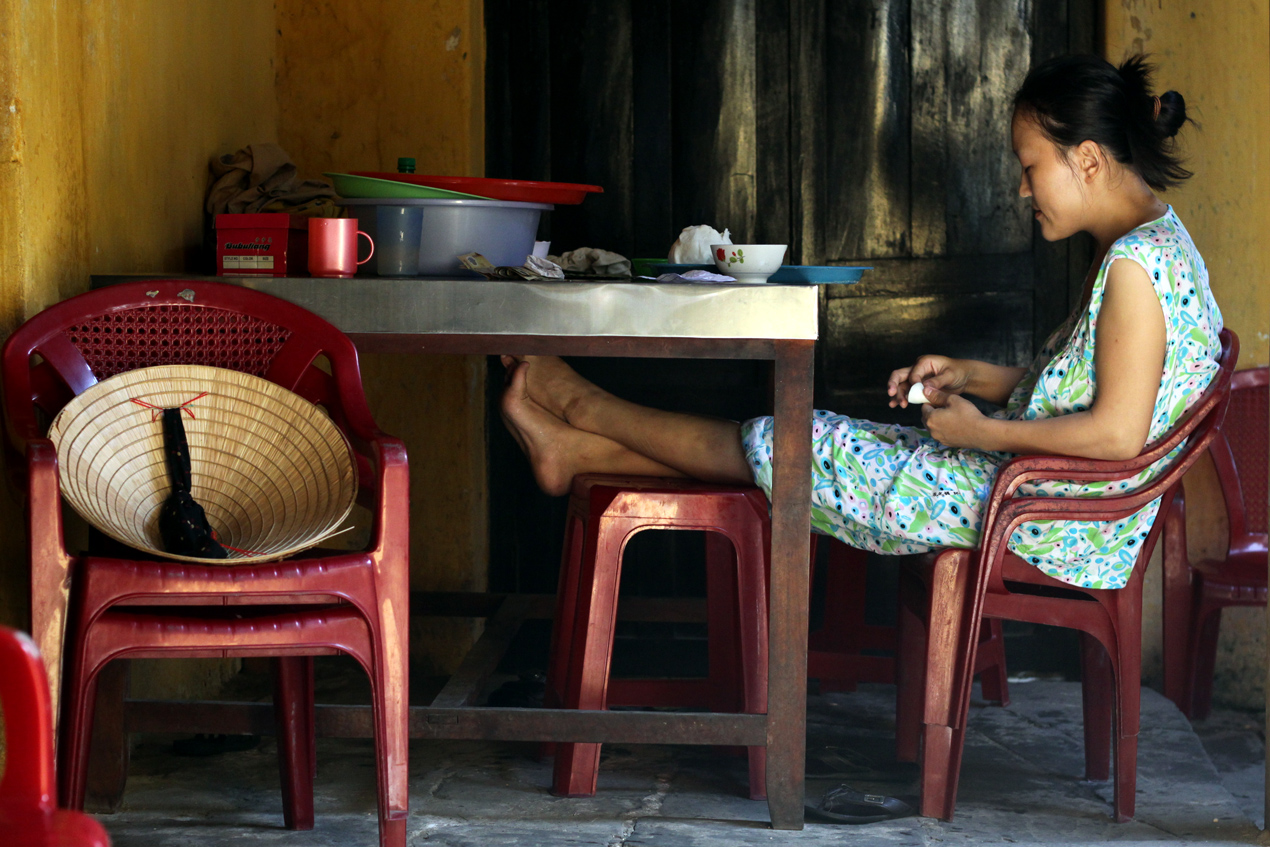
(520, 190)
(500, 230)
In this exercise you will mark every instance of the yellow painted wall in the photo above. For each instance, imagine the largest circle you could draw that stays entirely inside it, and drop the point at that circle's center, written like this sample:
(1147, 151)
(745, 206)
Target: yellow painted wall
(1217, 54)
(166, 87)
(362, 82)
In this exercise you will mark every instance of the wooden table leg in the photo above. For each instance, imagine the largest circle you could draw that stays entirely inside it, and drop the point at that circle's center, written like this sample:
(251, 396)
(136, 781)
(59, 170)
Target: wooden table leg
(787, 637)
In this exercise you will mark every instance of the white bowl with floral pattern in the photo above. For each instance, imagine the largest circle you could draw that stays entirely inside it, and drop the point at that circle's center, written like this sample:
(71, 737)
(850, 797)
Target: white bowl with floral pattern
(752, 263)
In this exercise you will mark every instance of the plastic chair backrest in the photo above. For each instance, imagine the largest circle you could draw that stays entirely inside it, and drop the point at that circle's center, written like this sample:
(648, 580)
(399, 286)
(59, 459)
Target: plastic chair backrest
(1241, 456)
(72, 345)
(1197, 428)
(28, 780)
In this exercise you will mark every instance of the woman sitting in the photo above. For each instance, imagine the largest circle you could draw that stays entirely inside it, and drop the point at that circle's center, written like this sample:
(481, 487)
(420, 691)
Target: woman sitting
(1094, 145)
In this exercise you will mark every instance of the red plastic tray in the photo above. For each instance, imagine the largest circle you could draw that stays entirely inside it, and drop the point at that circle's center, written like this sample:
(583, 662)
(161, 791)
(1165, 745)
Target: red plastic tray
(524, 191)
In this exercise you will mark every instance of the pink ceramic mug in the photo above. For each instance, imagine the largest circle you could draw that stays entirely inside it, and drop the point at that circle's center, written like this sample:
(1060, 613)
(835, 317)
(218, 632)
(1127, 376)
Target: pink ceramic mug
(333, 247)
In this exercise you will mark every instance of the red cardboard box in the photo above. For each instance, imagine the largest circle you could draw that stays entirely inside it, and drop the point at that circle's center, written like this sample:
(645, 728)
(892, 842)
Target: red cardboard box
(262, 244)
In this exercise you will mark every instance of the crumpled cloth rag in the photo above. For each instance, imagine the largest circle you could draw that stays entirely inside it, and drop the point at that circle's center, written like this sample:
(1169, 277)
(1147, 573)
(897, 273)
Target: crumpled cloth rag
(262, 178)
(593, 260)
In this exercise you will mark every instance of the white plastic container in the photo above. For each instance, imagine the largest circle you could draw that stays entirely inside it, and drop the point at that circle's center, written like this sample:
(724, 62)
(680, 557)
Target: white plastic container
(397, 231)
(500, 230)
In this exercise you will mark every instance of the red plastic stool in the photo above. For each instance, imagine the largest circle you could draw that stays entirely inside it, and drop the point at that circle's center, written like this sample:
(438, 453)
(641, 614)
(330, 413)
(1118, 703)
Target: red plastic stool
(605, 512)
(835, 652)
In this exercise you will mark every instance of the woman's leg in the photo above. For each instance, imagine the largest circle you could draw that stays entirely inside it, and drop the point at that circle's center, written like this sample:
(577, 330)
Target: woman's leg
(558, 452)
(703, 448)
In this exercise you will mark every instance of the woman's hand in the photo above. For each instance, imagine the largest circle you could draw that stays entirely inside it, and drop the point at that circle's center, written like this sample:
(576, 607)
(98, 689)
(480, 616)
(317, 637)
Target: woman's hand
(952, 420)
(950, 376)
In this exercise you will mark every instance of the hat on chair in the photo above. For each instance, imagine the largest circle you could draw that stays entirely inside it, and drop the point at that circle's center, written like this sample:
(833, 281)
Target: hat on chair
(273, 472)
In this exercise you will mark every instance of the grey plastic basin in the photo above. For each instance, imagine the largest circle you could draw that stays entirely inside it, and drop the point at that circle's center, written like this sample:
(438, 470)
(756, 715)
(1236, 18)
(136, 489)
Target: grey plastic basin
(500, 230)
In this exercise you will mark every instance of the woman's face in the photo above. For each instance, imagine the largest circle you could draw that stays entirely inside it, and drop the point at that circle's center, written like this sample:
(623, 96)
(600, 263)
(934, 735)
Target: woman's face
(1049, 179)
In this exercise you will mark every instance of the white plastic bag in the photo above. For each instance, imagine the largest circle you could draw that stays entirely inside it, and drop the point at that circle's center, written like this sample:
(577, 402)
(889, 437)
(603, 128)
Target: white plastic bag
(693, 245)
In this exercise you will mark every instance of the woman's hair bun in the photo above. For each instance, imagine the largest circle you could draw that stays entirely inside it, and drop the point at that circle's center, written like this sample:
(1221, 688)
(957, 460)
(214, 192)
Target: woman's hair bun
(1172, 113)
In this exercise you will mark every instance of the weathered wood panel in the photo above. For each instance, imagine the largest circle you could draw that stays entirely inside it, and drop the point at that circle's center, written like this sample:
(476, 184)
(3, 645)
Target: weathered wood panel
(592, 119)
(969, 57)
(957, 306)
(518, 89)
(866, 151)
(771, 122)
(715, 86)
(808, 101)
(653, 215)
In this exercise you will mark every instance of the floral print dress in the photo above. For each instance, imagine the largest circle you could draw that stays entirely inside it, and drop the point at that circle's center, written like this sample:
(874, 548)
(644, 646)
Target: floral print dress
(893, 489)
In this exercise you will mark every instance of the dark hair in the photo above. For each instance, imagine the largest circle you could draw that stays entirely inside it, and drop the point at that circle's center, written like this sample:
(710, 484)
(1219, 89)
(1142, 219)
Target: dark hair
(1079, 98)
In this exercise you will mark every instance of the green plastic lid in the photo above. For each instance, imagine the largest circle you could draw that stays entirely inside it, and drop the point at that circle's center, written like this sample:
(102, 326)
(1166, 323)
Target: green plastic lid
(405, 165)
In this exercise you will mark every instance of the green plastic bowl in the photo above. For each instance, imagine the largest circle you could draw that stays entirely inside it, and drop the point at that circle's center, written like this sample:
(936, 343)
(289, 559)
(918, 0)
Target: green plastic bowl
(363, 187)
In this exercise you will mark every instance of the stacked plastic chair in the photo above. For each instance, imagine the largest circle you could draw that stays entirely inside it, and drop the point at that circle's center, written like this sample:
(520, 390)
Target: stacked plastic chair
(1196, 592)
(129, 605)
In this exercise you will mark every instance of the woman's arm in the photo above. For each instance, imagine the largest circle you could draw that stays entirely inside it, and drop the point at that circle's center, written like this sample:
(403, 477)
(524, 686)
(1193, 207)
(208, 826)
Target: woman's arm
(1128, 362)
(993, 383)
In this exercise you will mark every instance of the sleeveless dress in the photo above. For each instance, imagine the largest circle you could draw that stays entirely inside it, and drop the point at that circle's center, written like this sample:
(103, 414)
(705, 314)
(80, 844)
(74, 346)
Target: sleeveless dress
(893, 489)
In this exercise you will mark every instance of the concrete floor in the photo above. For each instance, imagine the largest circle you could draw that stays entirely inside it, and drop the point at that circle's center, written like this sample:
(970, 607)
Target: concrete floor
(1021, 784)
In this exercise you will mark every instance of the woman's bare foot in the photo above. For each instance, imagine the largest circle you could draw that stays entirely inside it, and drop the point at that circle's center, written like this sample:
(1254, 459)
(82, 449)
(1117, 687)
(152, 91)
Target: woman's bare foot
(557, 451)
(553, 385)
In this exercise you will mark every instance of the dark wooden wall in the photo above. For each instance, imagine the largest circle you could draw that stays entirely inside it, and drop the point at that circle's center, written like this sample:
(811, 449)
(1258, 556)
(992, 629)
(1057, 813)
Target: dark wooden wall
(856, 131)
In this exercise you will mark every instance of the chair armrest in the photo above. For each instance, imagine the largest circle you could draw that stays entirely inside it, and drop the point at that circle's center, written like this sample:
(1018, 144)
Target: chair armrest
(1205, 416)
(391, 526)
(50, 563)
(44, 503)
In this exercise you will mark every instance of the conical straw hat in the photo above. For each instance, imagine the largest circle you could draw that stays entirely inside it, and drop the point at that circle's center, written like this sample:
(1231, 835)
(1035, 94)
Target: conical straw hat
(274, 474)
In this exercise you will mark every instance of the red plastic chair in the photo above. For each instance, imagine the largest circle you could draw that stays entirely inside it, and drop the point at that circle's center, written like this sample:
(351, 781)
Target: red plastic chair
(946, 596)
(1195, 593)
(351, 602)
(605, 512)
(836, 652)
(28, 815)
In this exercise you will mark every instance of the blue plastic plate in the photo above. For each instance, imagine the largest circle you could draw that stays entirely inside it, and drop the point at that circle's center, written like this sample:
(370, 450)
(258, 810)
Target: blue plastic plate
(789, 274)
(818, 274)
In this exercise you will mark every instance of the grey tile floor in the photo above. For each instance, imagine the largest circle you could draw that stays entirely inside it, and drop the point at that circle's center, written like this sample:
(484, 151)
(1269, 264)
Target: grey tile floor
(1021, 784)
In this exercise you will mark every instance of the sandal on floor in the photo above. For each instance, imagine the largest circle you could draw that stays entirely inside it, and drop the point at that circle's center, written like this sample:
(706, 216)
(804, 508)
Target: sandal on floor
(845, 804)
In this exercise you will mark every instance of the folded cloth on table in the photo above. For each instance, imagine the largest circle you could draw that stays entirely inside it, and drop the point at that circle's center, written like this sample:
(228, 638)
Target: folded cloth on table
(592, 260)
(262, 178)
